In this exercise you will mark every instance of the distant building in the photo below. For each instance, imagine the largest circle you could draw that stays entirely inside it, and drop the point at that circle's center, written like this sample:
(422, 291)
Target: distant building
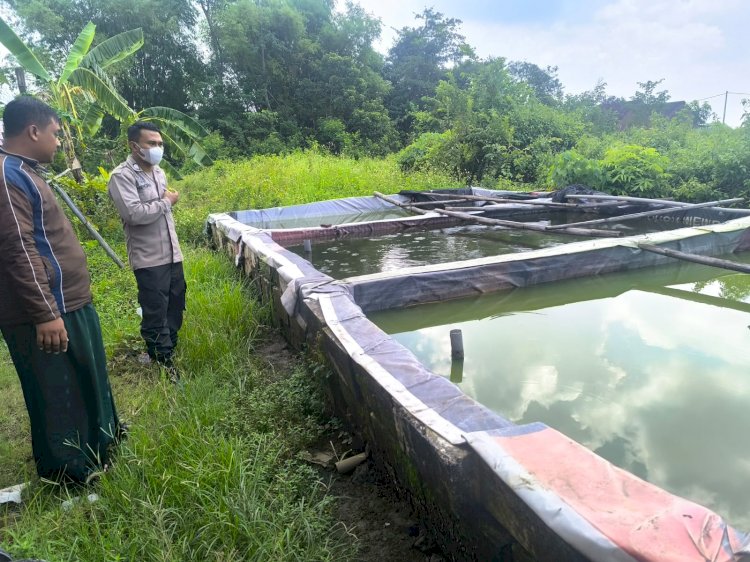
(636, 113)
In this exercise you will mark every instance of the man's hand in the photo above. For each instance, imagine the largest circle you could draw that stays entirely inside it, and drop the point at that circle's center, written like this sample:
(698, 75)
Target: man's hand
(52, 337)
(172, 196)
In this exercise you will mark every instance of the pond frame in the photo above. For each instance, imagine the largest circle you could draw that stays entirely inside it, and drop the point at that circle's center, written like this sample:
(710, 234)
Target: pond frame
(490, 488)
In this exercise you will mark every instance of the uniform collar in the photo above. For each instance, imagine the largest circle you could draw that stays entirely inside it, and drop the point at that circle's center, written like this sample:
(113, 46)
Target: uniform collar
(133, 164)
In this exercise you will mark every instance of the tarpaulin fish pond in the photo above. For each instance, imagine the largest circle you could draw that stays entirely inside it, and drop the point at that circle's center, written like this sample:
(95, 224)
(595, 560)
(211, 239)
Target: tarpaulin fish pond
(491, 487)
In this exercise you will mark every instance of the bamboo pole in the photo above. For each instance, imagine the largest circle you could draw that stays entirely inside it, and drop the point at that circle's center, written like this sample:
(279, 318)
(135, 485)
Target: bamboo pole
(628, 199)
(81, 217)
(392, 201)
(704, 260)
(653, 213)
(499, 222)
(569, 207)
(446, 202)
(508, 200)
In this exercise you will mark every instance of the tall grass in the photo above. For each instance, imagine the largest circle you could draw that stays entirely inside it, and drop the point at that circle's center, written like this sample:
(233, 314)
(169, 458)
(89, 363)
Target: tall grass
(209, 470)
(302, 177)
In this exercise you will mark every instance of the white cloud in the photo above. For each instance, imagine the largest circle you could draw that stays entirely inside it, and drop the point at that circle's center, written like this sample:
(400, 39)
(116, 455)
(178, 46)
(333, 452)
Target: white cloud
(696, 46)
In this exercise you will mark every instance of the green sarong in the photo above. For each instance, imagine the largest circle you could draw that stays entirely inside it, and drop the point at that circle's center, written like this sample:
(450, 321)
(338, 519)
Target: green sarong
(68, 397)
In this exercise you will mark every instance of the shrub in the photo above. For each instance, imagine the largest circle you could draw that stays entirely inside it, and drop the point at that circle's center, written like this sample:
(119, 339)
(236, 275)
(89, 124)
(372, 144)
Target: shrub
(92, 199)
(635, 170)
(417, 156)
(571, 168)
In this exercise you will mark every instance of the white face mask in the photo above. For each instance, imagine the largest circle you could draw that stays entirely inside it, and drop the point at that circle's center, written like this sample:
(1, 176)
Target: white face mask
(152, 155)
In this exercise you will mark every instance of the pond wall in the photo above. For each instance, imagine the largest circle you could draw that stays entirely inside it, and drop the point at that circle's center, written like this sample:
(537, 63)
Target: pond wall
(492, 490)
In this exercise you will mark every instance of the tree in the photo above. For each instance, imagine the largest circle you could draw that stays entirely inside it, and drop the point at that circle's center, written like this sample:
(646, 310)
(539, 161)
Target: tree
(314, 70)
(83, 93)
(168, 71)
(547, 87)
(418, 61)
(647, 94)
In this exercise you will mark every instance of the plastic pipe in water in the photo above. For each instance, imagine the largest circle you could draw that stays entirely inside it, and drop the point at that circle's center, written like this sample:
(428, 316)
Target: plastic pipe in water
(457, 344)
(457, 369)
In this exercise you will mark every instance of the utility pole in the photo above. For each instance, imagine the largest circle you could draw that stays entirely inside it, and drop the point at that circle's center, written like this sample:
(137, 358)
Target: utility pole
(723, 117)
(21, 79)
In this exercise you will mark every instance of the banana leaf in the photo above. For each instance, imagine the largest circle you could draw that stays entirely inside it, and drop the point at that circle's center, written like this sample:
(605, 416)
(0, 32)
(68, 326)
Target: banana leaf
(78, 51)
(106, 96)
(114, 49)
(92, 121)
(19, 50)
(176, 119)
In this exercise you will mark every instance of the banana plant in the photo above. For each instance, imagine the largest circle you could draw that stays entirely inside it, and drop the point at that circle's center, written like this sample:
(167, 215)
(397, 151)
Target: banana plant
(82, 84)
(83, 93)
(180, 132)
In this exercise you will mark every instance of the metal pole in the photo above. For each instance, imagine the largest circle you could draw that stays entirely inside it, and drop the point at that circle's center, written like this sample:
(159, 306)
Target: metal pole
(723, 117)
(76, 211)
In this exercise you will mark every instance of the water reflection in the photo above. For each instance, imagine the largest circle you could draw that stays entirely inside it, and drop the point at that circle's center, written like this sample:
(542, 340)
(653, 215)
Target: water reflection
(352, 256)
(650, 370)
(349, 257)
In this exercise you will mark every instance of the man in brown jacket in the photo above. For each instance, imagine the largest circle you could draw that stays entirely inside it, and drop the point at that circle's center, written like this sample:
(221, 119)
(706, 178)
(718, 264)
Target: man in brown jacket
(46, 316)
(138, 188)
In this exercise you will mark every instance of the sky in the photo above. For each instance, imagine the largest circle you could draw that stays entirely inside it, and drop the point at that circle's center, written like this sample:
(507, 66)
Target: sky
(699, 47)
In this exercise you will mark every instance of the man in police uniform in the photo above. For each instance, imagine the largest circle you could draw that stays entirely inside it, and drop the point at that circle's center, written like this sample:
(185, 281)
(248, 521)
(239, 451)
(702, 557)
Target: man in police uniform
(138, 188)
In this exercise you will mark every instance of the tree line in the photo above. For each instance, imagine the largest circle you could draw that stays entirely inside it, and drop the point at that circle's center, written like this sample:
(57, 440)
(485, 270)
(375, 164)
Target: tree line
(272, 76)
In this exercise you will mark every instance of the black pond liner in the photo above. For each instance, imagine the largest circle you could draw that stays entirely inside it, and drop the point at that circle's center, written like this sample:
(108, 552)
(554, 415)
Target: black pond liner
(488, 486)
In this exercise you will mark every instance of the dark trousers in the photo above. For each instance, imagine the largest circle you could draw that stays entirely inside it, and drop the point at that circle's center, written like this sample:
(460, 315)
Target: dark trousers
(161, 294)
(68, 397)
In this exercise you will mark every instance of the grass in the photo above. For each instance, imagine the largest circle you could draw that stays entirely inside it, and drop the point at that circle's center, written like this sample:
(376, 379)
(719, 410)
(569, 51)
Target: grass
(208, 471)
(302, 177)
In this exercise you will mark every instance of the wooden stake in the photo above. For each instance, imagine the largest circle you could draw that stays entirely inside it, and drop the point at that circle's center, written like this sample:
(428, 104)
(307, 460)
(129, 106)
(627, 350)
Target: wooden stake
(704, 260)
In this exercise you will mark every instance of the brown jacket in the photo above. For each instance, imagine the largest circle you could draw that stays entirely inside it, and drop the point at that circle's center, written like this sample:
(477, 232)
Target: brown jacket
(146, 216)
(43, 269)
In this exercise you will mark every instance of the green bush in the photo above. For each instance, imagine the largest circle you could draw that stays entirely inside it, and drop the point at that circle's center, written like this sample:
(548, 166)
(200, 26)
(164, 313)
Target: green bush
(636, 170)
(570, 168)
(332, 135)
(417, 155)
(92, 199)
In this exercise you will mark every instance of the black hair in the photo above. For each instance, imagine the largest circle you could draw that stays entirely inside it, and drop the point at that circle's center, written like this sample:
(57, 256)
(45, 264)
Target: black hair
(134, 131)
(24, 111)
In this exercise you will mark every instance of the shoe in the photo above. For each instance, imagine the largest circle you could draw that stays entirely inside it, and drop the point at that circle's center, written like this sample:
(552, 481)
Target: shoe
(122, 432)
(144, 359)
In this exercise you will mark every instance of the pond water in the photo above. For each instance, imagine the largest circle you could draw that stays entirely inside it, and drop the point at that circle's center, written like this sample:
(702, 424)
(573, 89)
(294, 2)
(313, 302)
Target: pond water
(349, 257)
(262, 219)
(649, 369)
